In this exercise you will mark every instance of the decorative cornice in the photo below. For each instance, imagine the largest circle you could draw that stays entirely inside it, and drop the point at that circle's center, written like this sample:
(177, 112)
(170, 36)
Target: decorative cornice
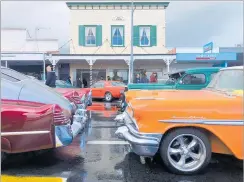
(96, 5)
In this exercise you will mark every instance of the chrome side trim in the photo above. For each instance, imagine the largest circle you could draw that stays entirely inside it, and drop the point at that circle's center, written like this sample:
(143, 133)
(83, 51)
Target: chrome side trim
(23, 133)
(206, 122)
(149, 98)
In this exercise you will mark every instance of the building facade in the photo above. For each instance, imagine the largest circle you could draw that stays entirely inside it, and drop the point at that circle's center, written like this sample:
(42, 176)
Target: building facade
(102, 31)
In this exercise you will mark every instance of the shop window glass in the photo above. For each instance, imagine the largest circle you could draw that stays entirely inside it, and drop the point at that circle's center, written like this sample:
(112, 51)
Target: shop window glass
(118, 75)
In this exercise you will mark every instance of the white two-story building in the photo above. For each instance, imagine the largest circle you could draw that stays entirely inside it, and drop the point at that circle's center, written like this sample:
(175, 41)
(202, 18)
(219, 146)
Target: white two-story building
(101, 38)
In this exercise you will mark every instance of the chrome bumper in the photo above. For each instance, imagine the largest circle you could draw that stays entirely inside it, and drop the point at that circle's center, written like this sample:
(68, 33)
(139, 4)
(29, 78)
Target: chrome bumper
(89, 100)
(64, 134)
(142, 144)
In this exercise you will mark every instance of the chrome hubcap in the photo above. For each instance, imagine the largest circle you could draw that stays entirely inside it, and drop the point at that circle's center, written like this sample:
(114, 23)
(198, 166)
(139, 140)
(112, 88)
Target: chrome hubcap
(186, 152)
(108, 96)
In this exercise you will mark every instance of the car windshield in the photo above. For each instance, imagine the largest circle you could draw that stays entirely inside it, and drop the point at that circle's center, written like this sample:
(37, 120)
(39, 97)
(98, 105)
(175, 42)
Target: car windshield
(227, 80)
(173, 78)
(60, 82)
(118, 84)
(14, 74)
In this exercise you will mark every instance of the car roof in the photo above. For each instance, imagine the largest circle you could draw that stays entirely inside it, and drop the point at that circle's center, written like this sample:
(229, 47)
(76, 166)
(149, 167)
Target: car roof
(203, 69)
(233, 68)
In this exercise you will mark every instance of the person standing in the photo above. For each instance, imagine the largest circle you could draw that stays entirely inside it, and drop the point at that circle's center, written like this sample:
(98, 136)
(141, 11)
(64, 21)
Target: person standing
(144, 78)
(68, 80)
(137, 80)
(79, 83)
(108, 78)
(153, 77)
(84, 83)
(51, 77)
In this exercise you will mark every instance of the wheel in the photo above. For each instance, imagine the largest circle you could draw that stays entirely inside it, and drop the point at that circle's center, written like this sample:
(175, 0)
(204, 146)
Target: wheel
(108, 97)
(185, 151)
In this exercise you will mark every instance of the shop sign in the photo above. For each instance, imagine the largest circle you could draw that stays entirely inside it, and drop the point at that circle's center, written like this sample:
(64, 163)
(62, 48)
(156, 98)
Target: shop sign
(206, 56)
(208, 47)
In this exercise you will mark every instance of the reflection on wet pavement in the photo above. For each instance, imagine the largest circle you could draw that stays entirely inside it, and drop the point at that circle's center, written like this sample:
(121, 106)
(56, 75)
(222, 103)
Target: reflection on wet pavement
(87, 160)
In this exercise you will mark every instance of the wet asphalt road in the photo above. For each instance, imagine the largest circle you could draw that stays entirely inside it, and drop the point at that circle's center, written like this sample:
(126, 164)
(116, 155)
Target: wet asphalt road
(105, 158)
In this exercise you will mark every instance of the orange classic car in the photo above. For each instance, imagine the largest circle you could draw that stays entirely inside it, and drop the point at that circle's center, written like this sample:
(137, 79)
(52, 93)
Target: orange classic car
(186, 127)
(108, 90)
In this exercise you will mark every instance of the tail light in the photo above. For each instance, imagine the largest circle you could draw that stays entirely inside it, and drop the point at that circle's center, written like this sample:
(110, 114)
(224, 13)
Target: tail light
(58, 116)
(76, 98)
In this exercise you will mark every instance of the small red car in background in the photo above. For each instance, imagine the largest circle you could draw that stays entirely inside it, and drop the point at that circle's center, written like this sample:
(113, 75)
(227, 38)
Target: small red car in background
(108, 90)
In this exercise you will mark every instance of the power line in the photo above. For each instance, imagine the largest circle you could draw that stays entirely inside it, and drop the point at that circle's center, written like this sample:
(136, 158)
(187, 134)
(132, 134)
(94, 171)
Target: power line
(64, 44)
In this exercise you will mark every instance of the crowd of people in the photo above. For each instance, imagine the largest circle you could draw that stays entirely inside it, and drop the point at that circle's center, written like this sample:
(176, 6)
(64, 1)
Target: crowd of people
(142, 78)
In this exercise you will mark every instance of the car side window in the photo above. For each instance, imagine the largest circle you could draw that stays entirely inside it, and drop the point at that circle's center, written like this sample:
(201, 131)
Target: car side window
(98, 85)
(194, 79)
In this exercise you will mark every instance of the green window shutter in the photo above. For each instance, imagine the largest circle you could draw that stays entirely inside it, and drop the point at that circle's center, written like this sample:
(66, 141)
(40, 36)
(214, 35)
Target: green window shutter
(81, 35)
(153, 36)
(136, 36)
(98, 35)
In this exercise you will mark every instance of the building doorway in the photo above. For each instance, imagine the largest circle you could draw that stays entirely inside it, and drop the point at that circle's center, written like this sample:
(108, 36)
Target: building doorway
(85, 74)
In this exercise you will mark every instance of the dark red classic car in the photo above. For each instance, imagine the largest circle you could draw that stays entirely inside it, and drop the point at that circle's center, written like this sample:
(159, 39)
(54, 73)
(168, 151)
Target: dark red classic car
(31, 111)
(81, 97)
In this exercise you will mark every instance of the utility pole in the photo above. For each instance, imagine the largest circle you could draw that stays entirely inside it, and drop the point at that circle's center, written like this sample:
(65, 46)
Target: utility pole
(131, 72)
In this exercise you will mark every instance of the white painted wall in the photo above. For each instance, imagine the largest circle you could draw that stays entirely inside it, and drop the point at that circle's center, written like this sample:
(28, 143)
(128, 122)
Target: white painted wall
(105, 17)
(41, 45)
(16, 40)
(13, 40)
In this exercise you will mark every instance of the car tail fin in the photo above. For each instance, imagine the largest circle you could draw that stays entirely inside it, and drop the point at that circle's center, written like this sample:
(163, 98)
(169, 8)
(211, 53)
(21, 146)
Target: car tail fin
(59, 116)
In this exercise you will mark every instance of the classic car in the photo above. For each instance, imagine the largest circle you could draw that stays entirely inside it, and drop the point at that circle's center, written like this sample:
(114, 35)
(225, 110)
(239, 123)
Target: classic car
(108, 90)
(60, 84)
(84, 95)
(63, 84)
(186, 127)
(190, 79)
(21, 92)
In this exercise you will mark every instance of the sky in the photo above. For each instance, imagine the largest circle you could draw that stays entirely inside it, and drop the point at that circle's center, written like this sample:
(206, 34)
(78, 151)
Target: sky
(188, 24)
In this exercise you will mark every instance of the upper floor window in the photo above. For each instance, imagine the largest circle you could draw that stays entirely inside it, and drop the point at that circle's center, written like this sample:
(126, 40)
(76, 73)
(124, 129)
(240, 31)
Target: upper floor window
(90, 34)
(117, 32)
(144, 36)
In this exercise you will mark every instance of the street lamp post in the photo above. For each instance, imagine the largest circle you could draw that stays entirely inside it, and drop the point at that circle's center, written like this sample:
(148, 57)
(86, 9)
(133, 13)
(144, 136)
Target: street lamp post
(131, 73)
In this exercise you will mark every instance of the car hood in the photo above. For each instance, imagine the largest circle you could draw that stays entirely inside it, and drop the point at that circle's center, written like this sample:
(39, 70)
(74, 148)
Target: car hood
(181, 98)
